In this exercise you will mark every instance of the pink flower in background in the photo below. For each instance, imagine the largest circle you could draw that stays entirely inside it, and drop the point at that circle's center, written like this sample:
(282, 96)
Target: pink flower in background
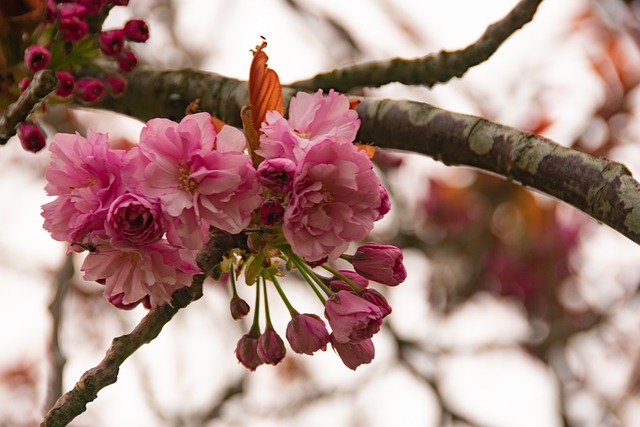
(307, 334)
(135, 220)
(156, 271)
(334, 201)
(312, 119)
(85, 176)
(352, 354)
(352, 318)
(176, 163)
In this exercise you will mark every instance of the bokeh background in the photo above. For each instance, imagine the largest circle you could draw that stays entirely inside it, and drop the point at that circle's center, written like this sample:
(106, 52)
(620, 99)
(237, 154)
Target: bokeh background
(517, 311)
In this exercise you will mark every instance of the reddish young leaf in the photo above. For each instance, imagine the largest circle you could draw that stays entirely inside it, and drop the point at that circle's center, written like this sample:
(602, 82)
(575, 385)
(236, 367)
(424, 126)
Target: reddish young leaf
(265, 91)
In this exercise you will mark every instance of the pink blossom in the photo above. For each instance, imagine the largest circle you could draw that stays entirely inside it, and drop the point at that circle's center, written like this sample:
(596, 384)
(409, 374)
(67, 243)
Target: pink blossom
(352, 318)
(176, 163)
(307, 334)
(88, 89)
(135, 220)
(271, 348)
(381, 263)
(385, 203)
(126, 60)
(36, 58)
(66, 83)
(73, 27)
(156, 271)
(312, 118)
(116, 83)
(354, 354)
(111, 42)
(84, 174)
(277, 175)
(334, 201)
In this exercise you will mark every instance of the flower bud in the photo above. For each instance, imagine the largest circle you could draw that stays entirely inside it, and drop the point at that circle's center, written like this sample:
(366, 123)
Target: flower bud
(116, 83)
(377, 299)
(24, 84)
(126, 60)
(277, 175)
(336, 284)
(354, 354)
(73, 28)
(136, 30)
(111, 42)
(385, 203)
(89, 89)
(247, 351)
(381, 263)
(71, 10)
(239, 308)
(307, 334)
(271, 348)
(271, 212)
(36, 58)
(31, 137)
(66, 84)
(352, 318)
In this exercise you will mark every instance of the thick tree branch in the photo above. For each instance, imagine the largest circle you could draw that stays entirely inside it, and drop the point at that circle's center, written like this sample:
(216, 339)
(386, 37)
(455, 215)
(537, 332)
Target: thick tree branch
(43, 83)
(428, 70)
(601, 188)
(74, 402)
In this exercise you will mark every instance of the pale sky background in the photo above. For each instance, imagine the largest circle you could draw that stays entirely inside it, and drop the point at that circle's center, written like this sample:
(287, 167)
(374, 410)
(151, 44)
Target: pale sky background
(481, 370)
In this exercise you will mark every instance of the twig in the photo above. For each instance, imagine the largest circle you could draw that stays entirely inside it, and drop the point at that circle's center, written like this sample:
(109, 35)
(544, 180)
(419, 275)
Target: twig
(74, 402)
(428, 70)
(601, 188)
(43, 83)
(58, 360)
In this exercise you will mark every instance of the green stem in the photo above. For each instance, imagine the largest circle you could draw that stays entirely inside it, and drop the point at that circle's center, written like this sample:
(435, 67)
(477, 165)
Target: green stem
(233, 281)
(342, 277)
(255, 326)
(266, 304)
(276, 284)
(310, 276)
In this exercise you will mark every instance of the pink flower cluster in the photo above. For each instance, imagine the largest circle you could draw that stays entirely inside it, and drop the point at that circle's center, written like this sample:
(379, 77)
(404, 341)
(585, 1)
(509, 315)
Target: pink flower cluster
(144, 214)
(331, 193)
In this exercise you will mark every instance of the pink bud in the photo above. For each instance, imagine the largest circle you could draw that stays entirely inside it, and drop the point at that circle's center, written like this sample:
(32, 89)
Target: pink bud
(271, 348)
(377, 299)
(66, 84)
(352, 318)
(93, 6)
(277, 174)
(239, 308)
(69, 10)
(116, 82)
(271, 212)
(307, 334)
(31, 137)
(381, 263)
(135, 220)
(354, 354)
(338, 284)
(24, 84)
(111, 42)
(126, 60)
(247, 351)
(136, 30)
(36, 58)
(89, 89)
(385, 203)
(73, 28)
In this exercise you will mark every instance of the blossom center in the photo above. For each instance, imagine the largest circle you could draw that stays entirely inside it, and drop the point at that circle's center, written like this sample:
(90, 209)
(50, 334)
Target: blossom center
(186, 182)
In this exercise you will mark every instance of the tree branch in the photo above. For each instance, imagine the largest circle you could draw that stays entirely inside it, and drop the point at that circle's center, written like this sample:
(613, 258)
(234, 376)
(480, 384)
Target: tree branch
(74, 402)
(43, 83)
(428, 70)
(603, 189)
